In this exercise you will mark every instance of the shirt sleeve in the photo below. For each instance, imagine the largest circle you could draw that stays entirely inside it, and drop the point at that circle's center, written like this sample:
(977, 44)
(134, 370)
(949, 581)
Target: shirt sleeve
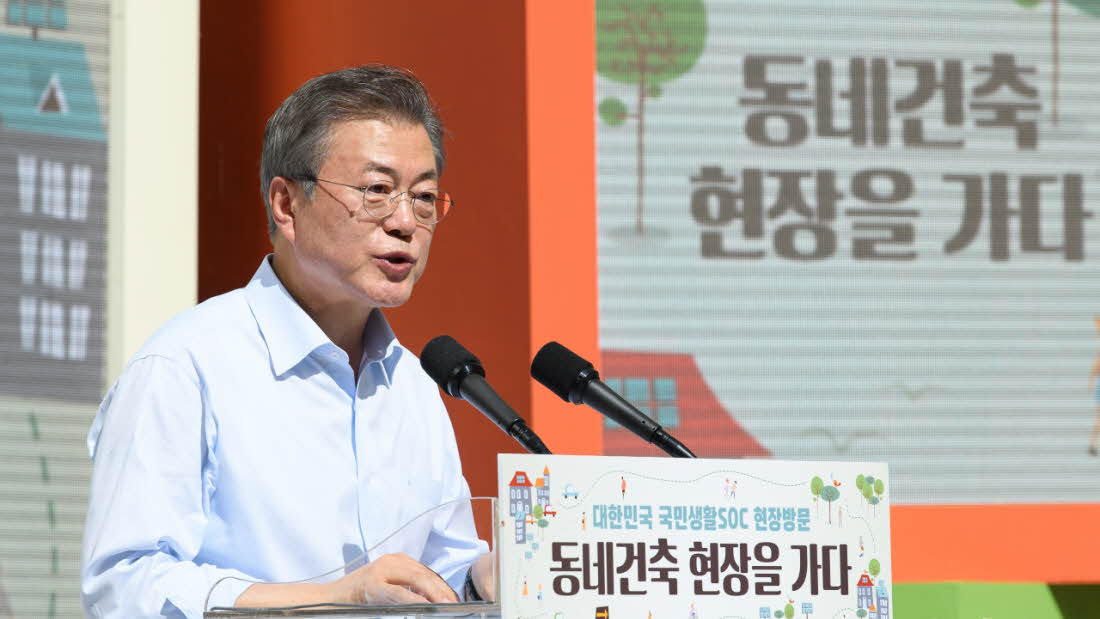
(152, 479)
(453, 544)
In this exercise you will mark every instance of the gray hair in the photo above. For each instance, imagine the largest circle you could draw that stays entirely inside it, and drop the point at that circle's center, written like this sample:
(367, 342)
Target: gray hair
(296, 138)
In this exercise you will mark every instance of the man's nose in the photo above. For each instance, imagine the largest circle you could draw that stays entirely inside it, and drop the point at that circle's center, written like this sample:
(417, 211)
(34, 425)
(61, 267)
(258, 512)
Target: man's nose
(402, 220)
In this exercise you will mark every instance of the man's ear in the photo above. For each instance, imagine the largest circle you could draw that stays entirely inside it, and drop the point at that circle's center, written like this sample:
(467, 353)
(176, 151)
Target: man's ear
(282, 193)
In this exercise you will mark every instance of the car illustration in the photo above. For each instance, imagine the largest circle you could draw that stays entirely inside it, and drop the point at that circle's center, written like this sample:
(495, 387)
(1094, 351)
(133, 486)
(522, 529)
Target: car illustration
(570, 491)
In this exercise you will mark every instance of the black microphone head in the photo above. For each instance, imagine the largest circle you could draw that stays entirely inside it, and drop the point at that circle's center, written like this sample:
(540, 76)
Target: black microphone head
(562, 371)
(447, 362)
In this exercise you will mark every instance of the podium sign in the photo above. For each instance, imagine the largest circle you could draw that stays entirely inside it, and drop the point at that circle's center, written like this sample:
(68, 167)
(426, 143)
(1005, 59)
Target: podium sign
(652, 538)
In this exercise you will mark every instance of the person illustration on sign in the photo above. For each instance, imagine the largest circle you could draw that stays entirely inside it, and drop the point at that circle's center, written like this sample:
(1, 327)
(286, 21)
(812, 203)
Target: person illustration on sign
(584, 522)
(622, 486)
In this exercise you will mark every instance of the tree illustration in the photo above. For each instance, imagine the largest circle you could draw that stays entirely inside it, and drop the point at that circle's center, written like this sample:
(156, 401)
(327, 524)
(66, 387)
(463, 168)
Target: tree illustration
(861, 613)
(788, 611)
(1091, 7)
(874, 567)
(870, 488)
(645, 43)
(816, 484)
(830, 494)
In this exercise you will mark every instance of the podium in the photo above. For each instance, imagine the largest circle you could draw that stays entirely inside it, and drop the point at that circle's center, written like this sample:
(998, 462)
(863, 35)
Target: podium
(480, 610)
(615, 537)
(479, 510)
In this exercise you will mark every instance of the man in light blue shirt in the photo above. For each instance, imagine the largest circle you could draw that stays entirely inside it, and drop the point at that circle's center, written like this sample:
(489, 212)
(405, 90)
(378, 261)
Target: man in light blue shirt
(276, 432)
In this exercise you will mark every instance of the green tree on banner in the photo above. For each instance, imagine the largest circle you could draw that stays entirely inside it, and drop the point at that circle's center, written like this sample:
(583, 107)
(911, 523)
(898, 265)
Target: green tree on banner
(816, 485)
(830, 494)
(1091, 7)
(647, 43)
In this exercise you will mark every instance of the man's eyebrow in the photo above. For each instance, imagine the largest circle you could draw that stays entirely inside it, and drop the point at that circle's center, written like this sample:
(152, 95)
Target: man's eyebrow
(387, 170)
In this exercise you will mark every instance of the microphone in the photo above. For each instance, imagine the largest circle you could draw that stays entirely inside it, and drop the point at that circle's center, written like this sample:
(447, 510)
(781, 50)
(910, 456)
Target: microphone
(575, 380)
(459, 374)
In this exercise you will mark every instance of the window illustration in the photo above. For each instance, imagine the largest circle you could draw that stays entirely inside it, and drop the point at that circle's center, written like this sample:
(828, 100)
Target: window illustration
(655, 397)
(38, 14)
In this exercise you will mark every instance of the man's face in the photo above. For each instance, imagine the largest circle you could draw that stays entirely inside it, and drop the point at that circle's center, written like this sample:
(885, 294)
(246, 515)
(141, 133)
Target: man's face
(372, 263)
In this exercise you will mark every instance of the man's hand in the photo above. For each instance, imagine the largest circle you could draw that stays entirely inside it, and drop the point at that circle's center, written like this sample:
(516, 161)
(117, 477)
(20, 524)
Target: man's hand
(393, 579)
(484, 576)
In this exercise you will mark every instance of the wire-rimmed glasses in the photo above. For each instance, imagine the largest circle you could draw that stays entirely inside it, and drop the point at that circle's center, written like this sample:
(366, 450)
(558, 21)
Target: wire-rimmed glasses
(429, 206)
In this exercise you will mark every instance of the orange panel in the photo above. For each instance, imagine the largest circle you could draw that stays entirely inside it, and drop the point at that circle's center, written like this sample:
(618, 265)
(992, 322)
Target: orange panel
(255, 52)
(561, 57)
(1054, 543)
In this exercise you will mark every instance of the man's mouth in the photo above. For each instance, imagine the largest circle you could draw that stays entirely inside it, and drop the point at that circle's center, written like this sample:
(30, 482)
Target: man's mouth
(397, 258)
(395, 265)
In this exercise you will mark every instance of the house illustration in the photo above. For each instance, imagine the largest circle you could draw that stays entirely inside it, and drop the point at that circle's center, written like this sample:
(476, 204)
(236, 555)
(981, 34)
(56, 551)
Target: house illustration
(670, 388)
(519, 503)
(542, 489)
(53, 159)
(865, 596)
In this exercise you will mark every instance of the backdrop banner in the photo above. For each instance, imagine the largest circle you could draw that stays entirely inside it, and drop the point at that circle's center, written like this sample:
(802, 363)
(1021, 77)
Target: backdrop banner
(857, 231)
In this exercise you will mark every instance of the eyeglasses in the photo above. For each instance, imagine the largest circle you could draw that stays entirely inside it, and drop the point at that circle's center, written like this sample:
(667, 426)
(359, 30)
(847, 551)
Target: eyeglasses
(429, 206)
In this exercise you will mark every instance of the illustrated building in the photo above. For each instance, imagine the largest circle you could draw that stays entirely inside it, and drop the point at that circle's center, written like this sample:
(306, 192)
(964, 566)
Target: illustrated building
(542, 488)
(882, 600)
(865, 596)
(670, 389)
(53, 224)
(519, 503)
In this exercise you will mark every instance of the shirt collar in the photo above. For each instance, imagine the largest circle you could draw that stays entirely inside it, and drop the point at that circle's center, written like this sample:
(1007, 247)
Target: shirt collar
(379, 341)
(289, 332)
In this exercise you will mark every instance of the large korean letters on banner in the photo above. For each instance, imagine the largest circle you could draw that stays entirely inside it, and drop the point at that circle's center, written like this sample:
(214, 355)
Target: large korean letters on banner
(650, 538)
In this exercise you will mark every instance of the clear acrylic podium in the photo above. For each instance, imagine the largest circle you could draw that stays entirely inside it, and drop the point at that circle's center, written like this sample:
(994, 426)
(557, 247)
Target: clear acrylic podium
(463, 609)
(482, 511)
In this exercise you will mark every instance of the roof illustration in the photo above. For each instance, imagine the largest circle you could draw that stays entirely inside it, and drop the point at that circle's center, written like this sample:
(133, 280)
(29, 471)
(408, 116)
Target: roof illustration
(520, 479)
(46, 88)
(865, 581)
(705, 424)
(539, 482)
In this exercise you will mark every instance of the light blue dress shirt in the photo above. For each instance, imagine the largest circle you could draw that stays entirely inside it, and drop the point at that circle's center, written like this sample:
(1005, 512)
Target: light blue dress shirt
(237, 442)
